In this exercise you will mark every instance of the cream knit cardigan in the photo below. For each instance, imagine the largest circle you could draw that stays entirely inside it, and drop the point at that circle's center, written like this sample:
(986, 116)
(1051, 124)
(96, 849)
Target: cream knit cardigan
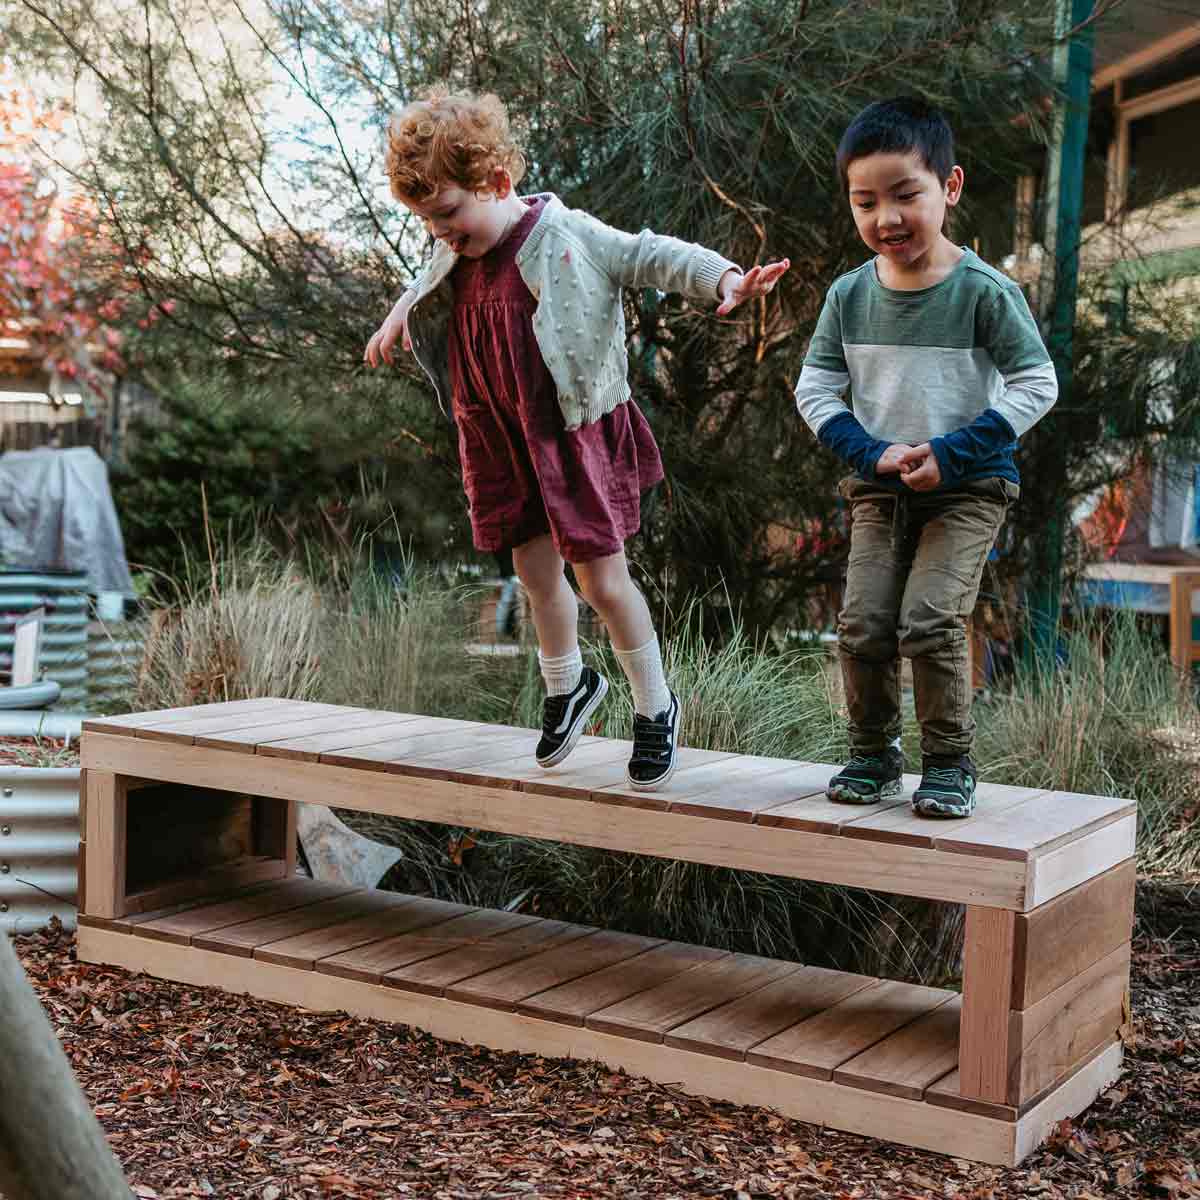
(575, 266)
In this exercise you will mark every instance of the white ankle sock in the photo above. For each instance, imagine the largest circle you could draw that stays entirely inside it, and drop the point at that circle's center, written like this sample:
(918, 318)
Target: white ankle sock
(561, 674)
(644, 670)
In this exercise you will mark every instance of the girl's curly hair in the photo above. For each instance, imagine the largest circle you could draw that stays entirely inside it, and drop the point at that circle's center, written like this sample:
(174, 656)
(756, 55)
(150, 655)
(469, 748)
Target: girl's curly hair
(446, 137)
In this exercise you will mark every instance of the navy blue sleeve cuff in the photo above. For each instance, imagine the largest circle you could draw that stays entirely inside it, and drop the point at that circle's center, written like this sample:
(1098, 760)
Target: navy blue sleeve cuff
(956, 453)
(846, 437)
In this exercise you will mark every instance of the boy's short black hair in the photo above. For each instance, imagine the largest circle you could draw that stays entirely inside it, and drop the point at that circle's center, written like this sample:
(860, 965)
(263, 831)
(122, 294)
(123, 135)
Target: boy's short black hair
(898, 126)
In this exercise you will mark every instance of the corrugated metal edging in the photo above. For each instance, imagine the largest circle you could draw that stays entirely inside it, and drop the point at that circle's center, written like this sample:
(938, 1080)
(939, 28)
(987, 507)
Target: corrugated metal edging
(39, 846)
(63, 594)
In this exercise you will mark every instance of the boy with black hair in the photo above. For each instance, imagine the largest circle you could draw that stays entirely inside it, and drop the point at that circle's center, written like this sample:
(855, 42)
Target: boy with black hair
(945, 369)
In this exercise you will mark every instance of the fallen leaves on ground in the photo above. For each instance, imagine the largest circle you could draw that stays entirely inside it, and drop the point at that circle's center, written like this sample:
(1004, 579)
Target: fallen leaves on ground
(204, 1093)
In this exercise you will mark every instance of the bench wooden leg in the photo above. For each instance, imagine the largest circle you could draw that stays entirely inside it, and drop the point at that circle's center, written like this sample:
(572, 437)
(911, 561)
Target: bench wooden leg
(105, 829)
(1043, 991)
(984, 1053)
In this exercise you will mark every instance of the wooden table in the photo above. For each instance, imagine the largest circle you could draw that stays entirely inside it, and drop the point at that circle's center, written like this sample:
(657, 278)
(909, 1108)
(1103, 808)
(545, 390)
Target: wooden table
(189, 875)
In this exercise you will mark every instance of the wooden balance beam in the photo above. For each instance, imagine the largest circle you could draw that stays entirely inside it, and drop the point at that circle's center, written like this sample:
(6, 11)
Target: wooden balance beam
(188, 874)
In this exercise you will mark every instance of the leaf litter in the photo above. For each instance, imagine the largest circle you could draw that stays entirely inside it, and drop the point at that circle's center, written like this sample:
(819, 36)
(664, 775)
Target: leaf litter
(203, 1093)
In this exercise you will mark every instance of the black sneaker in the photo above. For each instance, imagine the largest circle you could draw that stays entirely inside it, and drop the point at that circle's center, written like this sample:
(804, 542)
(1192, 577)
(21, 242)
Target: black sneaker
(654, 745)
(947, 788)
(868, 778)
(563, 717)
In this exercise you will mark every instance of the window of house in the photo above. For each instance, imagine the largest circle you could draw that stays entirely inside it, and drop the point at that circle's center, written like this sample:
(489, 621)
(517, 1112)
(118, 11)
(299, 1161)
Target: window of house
(1162, 154)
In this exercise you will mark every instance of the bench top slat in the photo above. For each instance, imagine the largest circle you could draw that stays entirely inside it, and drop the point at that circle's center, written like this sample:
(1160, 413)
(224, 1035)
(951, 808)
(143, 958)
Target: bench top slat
(903, 827)
(814, 813)
(186, 732)
(310, 747)
(1043, 822)
(247, 740)
(731, 788)
(403, 747)
(129, 722)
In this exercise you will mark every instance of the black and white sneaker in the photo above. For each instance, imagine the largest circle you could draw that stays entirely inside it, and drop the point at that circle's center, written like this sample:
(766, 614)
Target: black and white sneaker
(654, 745)
(564, 717)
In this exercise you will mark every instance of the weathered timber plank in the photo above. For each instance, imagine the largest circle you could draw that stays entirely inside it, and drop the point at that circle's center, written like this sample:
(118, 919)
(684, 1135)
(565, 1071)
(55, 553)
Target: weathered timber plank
(288, 894)
(243, 938)
(246, 740)
(650, 1015)
(1063, 1028)
(129, 722)
(433, 975)
(572, 1002)
(816, 813)
(186, 732)
(507, 986)
(424, 929)
(1043, 823)
(903, 826)
(697, 772)
(906, 1062)
(310, 747)
(732, 1029)
(816, 1047)
(1062, 939)
(984, 1053)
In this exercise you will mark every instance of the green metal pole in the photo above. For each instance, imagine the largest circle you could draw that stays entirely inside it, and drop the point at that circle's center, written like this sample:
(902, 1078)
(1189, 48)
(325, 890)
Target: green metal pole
(1064, 200)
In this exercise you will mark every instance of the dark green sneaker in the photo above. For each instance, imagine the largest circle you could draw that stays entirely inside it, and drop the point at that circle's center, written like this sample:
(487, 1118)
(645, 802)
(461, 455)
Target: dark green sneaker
(868, 778)
(947, 788)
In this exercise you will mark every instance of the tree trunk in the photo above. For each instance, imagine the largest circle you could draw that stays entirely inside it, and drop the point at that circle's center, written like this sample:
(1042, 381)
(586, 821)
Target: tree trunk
(51, 1145)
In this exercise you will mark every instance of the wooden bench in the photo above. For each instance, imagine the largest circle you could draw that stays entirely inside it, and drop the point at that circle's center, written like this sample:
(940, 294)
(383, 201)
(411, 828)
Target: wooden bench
(188, 874)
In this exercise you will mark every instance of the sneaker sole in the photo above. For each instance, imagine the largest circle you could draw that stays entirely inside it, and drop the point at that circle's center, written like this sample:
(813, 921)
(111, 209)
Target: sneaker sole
(576, 730)
(649, 785)
(845, 795)
(942, 809)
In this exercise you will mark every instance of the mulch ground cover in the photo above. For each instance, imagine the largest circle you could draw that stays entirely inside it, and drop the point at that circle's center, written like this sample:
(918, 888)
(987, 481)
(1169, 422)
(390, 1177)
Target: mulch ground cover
(203, 1093)
(38, 752)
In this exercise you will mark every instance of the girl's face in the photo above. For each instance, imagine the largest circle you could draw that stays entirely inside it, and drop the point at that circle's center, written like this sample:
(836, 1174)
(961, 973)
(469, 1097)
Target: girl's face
(470, 223)
(899, 205)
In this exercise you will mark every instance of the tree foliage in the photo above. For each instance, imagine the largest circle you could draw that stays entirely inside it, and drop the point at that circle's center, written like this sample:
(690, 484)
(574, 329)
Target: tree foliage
(236, 158)
(47, 296)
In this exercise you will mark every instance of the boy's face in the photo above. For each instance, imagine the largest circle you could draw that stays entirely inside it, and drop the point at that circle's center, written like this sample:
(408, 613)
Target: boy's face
(899, 204)
(470, 223)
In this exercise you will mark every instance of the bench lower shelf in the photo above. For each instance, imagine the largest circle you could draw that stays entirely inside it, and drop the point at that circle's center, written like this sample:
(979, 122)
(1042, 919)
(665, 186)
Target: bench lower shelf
(866, 1056)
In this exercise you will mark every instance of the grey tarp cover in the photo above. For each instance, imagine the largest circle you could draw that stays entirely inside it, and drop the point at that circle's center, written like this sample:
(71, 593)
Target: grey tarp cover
(57, 513)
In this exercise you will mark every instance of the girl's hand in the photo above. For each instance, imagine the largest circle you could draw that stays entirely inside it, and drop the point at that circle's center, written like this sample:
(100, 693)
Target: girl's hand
(383, 340)
(736, 288)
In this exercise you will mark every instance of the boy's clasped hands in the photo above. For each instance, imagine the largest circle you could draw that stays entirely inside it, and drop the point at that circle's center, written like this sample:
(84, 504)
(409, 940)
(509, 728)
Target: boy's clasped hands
(917, 466)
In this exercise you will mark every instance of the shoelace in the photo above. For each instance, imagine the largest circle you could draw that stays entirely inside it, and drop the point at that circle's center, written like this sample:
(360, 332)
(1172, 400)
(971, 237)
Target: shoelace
(948, 776)
(651, 739)
(865, 760)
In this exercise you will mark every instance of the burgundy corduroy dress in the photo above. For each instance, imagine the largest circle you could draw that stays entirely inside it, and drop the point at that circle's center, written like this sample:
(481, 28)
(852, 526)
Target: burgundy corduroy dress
(525, 474)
